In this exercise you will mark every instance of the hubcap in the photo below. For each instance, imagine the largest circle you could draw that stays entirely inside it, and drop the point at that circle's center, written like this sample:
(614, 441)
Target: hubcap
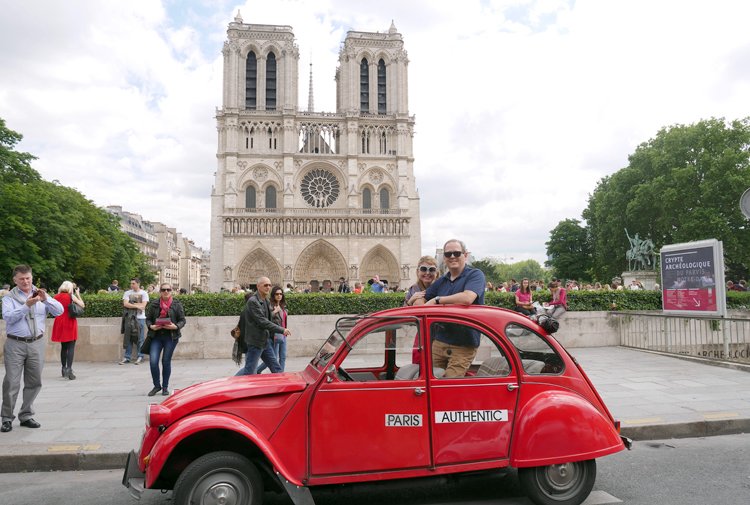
(562, 477)
(222, 488)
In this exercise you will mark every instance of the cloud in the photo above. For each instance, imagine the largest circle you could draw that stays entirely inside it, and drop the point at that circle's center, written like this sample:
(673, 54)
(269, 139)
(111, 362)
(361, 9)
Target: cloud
(521, 105)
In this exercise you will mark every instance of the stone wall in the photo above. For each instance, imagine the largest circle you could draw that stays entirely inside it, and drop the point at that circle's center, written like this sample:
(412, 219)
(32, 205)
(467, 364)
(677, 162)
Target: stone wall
(99, 339)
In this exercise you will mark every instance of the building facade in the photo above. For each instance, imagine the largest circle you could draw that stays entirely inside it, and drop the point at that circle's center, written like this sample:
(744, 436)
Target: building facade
(308, 197)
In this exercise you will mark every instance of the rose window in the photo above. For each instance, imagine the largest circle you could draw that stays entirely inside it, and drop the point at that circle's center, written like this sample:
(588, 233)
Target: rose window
(320, 188)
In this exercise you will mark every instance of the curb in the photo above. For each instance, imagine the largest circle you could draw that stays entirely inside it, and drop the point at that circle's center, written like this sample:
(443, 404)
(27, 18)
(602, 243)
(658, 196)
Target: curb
(83, 461)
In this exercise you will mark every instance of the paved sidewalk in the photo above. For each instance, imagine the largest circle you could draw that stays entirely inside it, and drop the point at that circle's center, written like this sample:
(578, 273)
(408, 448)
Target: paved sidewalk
(94, 421)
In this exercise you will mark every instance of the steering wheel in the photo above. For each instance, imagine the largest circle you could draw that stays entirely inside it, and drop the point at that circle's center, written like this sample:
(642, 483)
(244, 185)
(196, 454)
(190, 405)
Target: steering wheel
(343, 373)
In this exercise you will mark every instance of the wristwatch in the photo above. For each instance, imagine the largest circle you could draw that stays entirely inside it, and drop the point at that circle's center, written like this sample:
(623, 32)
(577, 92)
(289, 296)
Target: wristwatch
(437, 300)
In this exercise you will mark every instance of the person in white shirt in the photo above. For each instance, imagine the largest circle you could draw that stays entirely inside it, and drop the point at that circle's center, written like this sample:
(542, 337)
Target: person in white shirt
(135, 298)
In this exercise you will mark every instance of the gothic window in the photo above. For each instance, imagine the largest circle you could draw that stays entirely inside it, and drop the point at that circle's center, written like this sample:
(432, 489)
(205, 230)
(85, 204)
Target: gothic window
(385, 199)
(270, 197)
(319, 188)
(364, 86)
(250, 198)
(251, 81)
(366, 198)
(381, 87)
(271, 82)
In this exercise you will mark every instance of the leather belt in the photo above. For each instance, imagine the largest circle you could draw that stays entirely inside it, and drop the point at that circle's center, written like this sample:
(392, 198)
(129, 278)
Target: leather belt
(26, 339)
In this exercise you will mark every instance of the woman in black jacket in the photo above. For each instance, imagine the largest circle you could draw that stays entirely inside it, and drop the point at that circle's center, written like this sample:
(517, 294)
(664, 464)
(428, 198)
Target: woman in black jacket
(165, 317)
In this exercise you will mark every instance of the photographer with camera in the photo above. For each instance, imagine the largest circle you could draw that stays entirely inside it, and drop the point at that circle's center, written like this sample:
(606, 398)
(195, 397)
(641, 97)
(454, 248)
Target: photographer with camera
(25, 309)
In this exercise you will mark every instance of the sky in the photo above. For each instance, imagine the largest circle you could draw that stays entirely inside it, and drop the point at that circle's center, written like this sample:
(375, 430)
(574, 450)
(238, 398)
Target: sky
(521, 106)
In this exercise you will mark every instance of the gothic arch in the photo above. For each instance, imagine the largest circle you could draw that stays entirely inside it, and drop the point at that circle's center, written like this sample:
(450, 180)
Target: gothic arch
(319, 261)
(380, 261)
(259, 263)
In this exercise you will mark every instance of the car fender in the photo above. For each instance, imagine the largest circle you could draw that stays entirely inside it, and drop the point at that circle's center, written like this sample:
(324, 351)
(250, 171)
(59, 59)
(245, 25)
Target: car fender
(203, 421)
(560, 426)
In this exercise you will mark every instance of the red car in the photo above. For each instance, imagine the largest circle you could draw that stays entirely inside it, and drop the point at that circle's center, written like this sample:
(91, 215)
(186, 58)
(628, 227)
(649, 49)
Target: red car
(370, 406)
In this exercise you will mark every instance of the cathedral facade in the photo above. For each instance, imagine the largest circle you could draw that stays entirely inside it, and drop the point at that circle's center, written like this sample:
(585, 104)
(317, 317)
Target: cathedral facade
(307, 197)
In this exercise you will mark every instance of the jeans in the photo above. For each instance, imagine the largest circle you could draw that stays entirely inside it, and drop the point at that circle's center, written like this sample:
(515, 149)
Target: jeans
(141, 338)
(158, 344)
(254, 354)
(279, 347)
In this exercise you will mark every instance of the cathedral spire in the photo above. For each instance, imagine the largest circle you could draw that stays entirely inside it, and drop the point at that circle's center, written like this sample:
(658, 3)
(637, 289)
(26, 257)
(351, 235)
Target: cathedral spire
(238, 17)
(310, 102)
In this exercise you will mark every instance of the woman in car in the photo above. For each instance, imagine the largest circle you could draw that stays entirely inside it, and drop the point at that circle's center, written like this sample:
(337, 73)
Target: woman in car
(427, 272)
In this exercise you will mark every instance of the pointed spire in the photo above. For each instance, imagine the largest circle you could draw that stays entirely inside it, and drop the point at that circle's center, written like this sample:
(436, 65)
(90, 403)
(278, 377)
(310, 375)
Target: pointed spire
(238, 17)
(392, 29)
(310, 102)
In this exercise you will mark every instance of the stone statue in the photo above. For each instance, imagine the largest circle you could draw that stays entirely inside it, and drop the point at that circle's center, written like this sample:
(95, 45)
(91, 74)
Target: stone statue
(641, 255)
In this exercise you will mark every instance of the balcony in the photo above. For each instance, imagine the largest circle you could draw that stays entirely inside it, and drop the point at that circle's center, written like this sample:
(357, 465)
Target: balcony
(313, 212)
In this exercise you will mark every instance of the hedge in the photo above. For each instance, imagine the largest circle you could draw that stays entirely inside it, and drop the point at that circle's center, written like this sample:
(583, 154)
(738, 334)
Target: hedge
(227, 304)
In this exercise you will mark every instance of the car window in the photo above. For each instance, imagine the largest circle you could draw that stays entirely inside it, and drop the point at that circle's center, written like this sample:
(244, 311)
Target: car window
(383, 351)
(478, 354)
(537, 356)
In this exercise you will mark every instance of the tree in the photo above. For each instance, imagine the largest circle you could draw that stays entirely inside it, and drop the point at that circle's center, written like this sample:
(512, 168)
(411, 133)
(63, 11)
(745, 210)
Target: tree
(55, 229)
(681, 186)
(568, 250)
(487, 266)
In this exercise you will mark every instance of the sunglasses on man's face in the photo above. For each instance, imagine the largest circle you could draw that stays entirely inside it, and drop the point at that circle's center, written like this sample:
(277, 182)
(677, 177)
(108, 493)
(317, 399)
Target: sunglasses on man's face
(432, 270)
(166, 289)
(455, 254)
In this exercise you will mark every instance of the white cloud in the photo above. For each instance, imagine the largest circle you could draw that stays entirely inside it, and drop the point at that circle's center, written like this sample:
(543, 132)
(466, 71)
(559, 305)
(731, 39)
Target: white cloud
(521, 105)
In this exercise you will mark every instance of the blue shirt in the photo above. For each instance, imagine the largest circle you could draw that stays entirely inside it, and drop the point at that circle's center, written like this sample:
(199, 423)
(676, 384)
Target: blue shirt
(376, 287)
(471, 279)
(14, 314)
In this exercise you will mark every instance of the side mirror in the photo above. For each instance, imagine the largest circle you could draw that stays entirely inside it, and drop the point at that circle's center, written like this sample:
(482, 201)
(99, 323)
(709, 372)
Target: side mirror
(330, 372)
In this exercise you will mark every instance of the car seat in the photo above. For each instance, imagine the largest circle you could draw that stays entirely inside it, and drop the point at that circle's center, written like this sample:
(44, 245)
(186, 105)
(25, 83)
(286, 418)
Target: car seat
(493, 367)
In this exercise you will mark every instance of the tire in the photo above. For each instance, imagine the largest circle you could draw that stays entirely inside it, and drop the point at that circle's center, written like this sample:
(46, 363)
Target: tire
(219, 477)
(565, 484)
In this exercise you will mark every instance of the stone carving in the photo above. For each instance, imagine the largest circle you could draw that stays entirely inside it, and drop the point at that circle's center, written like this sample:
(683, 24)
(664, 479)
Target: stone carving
(288, 271)
(260, 173)
(641, 255)
(376, 176)
(241, 165)
(353, 272)
(320, 188)
(405, 271)
(227, 273)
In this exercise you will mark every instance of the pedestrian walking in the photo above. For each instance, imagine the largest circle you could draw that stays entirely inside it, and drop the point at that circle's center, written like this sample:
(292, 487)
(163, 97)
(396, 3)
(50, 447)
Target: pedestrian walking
(165, 318)
(278, 316)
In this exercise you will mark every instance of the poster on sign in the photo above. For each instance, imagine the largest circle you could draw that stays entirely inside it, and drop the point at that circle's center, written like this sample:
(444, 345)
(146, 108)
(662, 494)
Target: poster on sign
(692, 278)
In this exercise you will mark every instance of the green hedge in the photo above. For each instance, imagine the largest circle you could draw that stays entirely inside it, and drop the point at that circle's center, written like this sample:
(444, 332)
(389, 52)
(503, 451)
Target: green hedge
(227, 304)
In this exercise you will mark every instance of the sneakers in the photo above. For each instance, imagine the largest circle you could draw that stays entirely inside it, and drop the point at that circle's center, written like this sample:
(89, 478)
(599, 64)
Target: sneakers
(154, 391)
(123, 361)
(139, 360)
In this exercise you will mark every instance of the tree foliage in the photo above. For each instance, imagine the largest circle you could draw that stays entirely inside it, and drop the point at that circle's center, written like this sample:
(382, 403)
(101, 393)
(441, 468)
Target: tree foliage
(56, 230)
(683, 185)
(568, 250)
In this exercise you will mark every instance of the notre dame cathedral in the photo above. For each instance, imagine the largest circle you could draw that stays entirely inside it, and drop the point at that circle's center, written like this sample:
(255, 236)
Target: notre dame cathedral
(307, 197)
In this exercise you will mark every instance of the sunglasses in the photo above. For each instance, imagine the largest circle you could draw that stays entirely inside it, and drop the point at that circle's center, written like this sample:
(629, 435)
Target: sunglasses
(278, 293)
(455, 254)
(432, 270)
(165, 289)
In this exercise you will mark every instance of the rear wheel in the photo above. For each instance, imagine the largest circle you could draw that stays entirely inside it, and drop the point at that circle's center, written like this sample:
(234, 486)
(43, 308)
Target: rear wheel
(565, 484)
(223, 477)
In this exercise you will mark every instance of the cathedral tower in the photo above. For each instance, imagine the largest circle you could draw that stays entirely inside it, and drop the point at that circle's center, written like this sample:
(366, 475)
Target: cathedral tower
(310, 197)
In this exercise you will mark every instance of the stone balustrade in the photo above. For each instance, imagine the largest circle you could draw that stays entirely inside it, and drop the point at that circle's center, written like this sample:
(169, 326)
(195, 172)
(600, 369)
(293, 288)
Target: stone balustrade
(99, 339)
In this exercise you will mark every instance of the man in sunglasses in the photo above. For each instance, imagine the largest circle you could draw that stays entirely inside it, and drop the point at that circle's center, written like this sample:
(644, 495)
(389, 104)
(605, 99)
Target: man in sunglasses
(258, 330)
(454, 346)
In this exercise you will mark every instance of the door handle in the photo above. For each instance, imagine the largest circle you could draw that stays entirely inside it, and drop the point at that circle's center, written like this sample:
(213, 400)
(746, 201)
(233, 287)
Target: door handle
(512, 387)
(418, 391)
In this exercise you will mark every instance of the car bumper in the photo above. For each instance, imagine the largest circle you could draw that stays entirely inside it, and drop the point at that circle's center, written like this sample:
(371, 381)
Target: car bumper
(133, 478)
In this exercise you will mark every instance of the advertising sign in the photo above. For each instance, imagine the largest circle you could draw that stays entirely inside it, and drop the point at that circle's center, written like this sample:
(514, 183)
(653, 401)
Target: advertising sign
(692, 278)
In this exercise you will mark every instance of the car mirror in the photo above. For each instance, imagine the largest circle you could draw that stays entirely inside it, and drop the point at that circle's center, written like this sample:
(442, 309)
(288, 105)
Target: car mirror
(330, 372)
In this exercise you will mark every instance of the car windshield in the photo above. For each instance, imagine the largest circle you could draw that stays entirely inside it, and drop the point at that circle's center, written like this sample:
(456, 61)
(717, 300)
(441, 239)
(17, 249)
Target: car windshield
(333, 342)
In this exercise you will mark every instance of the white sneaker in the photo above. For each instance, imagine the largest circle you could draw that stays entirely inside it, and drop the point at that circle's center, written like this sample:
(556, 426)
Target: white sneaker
(123, 361)
(139, 360)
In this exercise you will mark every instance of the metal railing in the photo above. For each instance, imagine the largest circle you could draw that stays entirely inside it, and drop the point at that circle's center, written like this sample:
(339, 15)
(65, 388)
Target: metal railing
(725, 339)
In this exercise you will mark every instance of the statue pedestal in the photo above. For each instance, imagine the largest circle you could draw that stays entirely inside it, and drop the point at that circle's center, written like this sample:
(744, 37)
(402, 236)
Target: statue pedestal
(647, 277)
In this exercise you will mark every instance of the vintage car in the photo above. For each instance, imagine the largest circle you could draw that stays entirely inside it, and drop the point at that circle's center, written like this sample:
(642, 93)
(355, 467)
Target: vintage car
(370, 406)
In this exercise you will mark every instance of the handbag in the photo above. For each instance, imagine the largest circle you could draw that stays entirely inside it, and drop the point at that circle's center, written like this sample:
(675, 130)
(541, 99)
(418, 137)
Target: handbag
(146, 347)
(74, 310)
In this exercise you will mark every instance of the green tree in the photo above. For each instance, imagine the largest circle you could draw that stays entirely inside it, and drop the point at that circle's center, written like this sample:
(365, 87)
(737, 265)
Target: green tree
(682, 185)
(55, 229)
(487, 266)
(569, 251)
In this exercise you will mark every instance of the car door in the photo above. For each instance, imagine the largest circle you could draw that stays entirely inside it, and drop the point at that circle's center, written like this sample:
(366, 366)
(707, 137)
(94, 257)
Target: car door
(473, 413)
(371, 414)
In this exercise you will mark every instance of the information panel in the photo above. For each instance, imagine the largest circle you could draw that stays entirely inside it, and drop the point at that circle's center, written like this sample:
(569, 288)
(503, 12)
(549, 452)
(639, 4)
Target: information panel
(692, 278)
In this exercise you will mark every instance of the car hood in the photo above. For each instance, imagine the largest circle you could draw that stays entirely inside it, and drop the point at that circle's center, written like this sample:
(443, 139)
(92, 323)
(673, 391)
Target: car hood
(206, 394)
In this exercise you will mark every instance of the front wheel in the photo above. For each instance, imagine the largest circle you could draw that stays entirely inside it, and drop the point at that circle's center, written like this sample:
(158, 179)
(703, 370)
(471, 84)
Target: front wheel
(565, 484)
(219, 478)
